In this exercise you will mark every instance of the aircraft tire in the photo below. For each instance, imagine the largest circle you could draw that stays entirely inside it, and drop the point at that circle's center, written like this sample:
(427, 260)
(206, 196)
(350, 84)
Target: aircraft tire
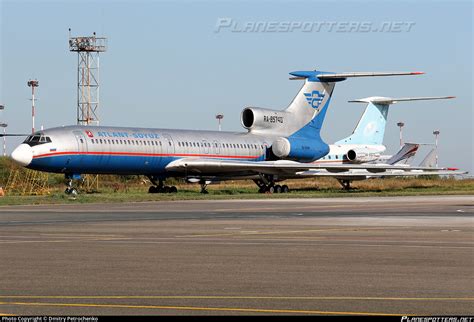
(152, 189)
(173, 189)
(270, 189)
(285, 189)
(277, 188)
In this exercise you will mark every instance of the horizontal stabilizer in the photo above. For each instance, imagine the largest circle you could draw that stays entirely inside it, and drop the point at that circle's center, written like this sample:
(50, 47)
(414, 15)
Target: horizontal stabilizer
(391, 100)
(365, 74)
(336, 77)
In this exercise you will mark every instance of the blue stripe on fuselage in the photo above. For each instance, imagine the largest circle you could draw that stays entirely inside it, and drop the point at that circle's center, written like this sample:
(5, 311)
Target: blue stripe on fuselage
(109, 164)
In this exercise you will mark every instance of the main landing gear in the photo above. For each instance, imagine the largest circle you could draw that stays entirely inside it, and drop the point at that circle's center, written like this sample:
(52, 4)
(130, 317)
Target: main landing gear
(203, 187)
(267, 185)
(346, 184)
(160, 187)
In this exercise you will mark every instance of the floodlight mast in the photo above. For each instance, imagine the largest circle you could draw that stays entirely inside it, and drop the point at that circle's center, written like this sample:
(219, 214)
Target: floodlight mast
(4, 125)
(436, 134)
(33, 84)
(401, 125)
(88, 49)
(219, 118)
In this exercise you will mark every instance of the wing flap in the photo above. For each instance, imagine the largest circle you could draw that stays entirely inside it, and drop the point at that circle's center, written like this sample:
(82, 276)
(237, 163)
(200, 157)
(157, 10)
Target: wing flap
(202, 166)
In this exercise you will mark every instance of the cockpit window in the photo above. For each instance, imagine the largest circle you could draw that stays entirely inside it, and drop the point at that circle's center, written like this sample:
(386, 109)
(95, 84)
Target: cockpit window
(36, 139)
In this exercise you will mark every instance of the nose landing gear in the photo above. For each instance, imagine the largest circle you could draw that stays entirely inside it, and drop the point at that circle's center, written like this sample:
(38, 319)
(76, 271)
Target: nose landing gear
(70, 188)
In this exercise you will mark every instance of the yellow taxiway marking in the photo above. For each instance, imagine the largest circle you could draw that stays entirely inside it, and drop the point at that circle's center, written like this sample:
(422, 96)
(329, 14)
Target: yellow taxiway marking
(196, 308)
(244, 233)
(237, 297)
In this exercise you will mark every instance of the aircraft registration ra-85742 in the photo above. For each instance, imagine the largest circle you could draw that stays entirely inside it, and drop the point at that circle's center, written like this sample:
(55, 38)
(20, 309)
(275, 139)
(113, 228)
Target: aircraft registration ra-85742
(276, 143)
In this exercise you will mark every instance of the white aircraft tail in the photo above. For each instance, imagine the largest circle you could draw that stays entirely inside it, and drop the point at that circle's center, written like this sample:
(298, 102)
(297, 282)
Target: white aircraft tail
(430, 160)
(371, 126)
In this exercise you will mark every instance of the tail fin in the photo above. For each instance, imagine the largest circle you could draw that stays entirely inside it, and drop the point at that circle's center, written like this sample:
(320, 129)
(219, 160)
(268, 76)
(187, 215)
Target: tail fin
(430, 160)
(371, 126)
(405, 155)
(309, 106)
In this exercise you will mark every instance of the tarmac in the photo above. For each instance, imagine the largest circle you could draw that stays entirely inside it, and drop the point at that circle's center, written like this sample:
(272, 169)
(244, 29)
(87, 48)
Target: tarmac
(335, 256)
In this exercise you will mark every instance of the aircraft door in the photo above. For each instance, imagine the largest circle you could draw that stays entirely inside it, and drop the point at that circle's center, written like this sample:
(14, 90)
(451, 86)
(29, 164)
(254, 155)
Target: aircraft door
(216, 146)
(81, 148)
(205, 148)
(167, 149)
(265, 150)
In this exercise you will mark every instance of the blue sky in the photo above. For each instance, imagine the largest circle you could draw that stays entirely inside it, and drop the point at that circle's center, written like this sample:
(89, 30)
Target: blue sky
(167, 67)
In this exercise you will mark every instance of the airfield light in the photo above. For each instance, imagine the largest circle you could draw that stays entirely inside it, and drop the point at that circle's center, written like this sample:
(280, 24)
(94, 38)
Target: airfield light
(401, 125)
(219, 117)
(33, 84)
(436, 134)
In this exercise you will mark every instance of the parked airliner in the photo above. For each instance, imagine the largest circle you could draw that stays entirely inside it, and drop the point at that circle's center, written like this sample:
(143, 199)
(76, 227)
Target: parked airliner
(365, 144)
(276, 143)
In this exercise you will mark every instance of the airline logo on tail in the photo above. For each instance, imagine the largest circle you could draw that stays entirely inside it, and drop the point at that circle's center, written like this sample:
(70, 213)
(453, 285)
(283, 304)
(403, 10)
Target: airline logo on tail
(314, 98)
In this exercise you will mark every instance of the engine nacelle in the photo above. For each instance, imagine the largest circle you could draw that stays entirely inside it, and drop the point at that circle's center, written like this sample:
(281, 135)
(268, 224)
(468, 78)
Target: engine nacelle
(298, 149)
(356, 156)
(256, 118)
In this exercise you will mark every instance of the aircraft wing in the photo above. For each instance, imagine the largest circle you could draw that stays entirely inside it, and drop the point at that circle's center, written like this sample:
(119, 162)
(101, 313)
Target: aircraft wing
(9, 134)
(360, 175)
(203, 166)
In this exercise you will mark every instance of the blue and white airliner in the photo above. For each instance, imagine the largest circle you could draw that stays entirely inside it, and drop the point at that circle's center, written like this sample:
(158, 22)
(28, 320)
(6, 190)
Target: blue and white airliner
(276, 144)
(365, 145)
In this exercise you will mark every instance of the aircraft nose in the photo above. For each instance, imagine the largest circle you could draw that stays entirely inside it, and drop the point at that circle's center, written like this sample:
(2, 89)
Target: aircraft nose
(23, 154)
